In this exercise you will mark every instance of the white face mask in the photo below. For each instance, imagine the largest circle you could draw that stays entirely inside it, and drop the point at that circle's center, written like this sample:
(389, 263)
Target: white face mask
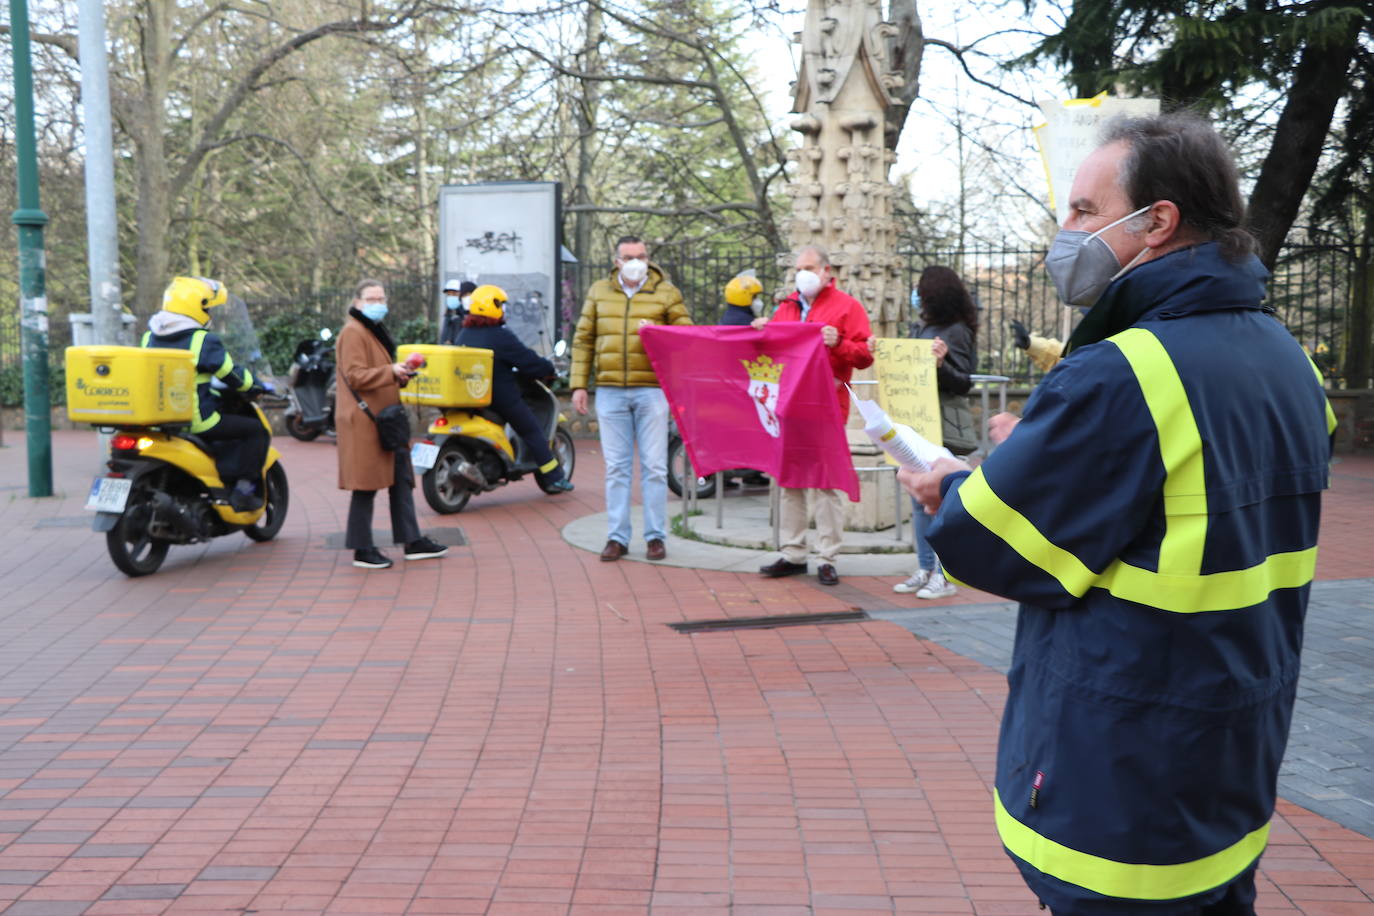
(634, 271)
(808, 283)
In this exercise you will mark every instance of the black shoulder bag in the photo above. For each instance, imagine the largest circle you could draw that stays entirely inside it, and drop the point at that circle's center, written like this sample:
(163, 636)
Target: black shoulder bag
(393, 426)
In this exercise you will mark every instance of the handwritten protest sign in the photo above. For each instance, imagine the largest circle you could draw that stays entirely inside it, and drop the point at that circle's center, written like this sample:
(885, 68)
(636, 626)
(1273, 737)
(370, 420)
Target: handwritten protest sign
(906, 384)
(1070, 133)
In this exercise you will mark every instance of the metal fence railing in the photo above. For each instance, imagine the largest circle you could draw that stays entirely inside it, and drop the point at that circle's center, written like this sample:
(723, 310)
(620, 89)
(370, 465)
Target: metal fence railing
(1311, 291)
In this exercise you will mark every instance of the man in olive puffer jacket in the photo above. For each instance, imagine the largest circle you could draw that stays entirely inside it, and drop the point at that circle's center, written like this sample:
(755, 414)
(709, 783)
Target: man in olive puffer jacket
(630, 407)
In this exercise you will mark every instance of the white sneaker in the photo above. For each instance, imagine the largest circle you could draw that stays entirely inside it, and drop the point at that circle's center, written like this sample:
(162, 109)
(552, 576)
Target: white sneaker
(918, 579)
(936, 587)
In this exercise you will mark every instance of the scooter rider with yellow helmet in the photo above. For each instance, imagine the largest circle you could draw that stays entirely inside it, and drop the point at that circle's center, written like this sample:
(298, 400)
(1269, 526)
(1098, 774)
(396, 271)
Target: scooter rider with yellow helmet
(742, 299)
(484, 327)
(240, 443)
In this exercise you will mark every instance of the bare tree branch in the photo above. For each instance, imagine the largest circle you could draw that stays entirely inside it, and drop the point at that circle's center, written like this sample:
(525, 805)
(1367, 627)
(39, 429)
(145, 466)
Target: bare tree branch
(959, 55)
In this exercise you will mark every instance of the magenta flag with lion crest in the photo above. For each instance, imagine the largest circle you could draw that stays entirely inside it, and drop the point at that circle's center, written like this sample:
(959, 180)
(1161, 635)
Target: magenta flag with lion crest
(755, 399)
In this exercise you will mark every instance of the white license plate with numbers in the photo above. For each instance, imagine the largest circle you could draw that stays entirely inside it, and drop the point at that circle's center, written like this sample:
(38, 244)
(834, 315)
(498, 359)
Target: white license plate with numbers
(423, 455)
(109, 494)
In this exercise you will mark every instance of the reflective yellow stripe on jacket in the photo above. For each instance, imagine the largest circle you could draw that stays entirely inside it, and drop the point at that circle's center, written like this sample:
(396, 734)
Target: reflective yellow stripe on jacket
(1178, 585)
(1125, 879)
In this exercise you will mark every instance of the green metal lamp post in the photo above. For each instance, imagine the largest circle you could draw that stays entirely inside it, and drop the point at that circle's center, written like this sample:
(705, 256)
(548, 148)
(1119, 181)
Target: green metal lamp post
(30, 219)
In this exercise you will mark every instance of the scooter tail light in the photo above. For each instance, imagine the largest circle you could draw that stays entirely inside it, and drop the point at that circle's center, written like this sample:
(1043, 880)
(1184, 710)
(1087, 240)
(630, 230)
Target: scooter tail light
(442, 421)
(126, 443)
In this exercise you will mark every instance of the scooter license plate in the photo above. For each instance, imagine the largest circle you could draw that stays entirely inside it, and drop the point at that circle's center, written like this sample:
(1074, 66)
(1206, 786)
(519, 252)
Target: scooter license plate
(423, 455)
(109, 494)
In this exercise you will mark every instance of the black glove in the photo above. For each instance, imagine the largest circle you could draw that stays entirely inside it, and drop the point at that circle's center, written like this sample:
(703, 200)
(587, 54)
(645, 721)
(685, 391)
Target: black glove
(1020, 334)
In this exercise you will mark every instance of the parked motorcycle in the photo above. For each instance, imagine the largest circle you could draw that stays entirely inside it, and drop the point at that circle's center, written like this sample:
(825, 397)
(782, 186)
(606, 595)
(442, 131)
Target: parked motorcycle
(162, 486)
(469, 449)
(310, 389)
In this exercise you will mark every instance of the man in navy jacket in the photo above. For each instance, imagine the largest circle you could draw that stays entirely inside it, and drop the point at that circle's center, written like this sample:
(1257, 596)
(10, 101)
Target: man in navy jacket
(1155, 512)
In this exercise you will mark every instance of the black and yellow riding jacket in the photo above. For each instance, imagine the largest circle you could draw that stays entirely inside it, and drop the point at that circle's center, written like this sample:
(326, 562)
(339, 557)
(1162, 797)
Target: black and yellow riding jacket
(212, 361)
(1155, 512)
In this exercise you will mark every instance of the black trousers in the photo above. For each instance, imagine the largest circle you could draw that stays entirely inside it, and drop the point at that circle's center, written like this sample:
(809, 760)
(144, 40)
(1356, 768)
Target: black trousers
(240, 446)
(522, 420)
(401, 495)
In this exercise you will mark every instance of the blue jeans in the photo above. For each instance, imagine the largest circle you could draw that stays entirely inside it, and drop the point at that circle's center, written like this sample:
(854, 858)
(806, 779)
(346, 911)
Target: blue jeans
(631, 417)
(925, 554)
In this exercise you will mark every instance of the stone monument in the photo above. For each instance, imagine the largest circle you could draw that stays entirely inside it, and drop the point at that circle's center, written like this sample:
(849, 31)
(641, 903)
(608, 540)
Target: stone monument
(857, 77)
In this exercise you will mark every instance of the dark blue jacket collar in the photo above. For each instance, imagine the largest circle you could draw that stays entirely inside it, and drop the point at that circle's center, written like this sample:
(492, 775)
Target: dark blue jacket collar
(1183, 282)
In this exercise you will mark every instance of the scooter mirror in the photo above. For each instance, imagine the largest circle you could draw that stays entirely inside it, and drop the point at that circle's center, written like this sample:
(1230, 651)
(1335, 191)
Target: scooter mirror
(560, 349)
(325, 333)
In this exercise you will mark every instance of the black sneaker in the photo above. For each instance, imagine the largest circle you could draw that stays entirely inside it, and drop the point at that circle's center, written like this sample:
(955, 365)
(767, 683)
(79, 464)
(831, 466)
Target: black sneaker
(424, 549)
(371, 558)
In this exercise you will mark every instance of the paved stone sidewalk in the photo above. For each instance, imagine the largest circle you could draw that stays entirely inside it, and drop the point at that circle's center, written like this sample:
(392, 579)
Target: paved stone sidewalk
(512, 729)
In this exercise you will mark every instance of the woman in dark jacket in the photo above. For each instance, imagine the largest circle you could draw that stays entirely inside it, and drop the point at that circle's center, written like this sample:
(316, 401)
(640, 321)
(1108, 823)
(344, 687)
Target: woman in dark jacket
(949, 318)
(485, 327)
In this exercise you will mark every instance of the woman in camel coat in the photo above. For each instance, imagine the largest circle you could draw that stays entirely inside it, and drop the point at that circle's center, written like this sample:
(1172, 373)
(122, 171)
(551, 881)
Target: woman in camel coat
(366, 363)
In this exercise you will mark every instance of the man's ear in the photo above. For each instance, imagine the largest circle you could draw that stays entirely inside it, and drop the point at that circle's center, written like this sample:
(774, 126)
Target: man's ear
(1165, 224)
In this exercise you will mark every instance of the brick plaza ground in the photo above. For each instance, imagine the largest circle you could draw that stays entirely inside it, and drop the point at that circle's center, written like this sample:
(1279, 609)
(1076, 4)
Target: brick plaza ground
(514, 729)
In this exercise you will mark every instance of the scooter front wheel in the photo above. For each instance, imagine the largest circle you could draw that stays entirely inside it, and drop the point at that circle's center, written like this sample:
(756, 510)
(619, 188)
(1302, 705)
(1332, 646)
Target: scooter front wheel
(276, 498)
(445, 490)
(133, 550)
(679, 464)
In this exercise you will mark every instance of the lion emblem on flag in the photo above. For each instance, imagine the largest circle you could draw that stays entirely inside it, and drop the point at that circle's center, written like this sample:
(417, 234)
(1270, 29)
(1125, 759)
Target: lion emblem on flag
(764, 375)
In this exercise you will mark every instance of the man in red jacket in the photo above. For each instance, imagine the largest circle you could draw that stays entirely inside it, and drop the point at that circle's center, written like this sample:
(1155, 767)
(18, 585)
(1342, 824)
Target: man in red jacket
(845, 330)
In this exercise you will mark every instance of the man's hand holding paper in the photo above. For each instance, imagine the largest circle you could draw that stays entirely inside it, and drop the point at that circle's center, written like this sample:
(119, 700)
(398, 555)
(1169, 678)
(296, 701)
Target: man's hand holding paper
(925, 485)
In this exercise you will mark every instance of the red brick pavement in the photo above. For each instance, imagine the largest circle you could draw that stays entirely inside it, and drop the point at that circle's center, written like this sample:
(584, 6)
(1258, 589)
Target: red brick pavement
(509, 730)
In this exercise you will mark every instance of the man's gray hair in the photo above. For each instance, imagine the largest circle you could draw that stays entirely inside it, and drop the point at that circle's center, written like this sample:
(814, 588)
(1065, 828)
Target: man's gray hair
(1179, 157)
(817, 250)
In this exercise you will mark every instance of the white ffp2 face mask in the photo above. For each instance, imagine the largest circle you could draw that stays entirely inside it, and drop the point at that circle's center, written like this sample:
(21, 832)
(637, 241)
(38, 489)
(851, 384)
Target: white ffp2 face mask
(634, 271)
(808, 283)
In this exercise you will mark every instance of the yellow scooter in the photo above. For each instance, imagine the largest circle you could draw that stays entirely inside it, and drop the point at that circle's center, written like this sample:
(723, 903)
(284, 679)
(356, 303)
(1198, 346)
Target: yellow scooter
(467, 448)
(162, 487)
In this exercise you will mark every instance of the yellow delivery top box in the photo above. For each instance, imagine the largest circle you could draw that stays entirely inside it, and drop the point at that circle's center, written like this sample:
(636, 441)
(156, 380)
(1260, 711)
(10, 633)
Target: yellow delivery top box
(130, 386)
(451, 376)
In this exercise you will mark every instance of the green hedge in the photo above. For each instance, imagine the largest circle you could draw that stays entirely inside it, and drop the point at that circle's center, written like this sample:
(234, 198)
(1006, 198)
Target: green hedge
(12, 384)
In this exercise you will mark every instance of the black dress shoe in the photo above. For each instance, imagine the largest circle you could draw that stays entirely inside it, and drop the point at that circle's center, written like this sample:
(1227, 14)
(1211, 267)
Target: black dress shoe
(781, 567)
(827, 575)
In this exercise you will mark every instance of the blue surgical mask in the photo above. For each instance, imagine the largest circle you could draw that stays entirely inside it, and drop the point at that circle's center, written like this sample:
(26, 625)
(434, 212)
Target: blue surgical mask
(375, 311)
(452, 302)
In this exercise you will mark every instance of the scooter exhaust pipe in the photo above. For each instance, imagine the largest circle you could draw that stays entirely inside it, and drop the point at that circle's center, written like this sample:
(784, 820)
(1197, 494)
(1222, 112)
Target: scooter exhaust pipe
(471, 473)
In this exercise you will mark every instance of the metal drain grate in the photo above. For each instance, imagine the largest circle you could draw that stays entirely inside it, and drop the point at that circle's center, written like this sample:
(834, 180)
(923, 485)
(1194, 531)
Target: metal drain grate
(768, 623)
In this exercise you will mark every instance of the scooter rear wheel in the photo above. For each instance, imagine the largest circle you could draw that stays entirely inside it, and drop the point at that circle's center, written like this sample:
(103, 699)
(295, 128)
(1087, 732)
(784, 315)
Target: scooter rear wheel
(133, 550)
(564, 451)
(295, 425)
(277, 497)
(445, 490)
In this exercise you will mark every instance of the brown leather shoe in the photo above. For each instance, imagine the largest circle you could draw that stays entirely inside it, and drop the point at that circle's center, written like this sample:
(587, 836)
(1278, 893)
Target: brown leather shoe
(613, 550)
(781, 567)
(826, 574)
(656, 550)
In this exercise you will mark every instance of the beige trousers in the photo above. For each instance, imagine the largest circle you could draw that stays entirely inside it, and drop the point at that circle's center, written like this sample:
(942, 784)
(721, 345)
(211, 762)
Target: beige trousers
(828, 507)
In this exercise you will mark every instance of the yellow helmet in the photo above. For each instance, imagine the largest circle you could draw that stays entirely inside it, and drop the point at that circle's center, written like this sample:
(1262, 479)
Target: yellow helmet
(741, 290)
(191, 296)
(488, 301)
